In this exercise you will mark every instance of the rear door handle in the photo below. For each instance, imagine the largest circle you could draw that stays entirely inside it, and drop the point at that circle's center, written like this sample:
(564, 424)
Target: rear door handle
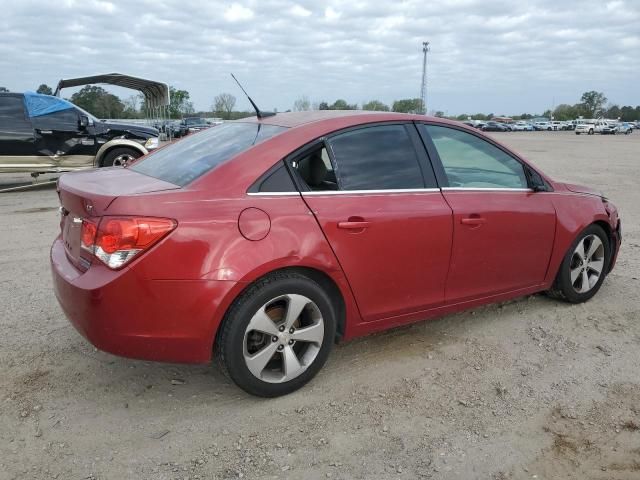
(353, 225)
(473, 221)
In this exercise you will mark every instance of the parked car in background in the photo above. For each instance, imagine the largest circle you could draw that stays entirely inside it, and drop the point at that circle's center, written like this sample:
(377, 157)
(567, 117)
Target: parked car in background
(46, 134)
(588, 128)
(193, 124)
(492, 126)
(522, 127)
(259, 242)
(508, 127)
(625, 127)
(605, 127)
(557, 125)
(542, 126)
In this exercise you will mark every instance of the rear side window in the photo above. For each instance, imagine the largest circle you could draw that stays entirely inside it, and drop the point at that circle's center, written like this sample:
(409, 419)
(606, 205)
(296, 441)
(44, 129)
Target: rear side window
(12, 116)
(376, 158)
(186, 160)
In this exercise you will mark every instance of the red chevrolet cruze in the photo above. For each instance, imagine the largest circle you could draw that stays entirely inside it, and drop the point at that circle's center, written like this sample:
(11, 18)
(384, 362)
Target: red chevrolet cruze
(263, 241)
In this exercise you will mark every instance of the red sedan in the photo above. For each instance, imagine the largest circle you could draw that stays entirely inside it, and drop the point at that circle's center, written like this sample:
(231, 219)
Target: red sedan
(263, 241)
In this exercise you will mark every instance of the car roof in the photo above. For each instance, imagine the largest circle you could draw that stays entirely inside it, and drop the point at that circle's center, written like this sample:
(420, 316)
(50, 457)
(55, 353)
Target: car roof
(296, 119)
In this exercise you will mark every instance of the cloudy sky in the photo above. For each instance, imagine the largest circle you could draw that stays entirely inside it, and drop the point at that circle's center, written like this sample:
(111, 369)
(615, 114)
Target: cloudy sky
(503, 57)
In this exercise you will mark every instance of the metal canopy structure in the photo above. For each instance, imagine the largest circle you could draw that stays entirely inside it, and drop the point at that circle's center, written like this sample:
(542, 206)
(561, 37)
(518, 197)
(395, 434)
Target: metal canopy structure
(156, 93)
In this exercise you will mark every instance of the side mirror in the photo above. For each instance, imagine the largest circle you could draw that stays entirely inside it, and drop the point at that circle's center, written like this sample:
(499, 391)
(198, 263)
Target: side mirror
(83, 122)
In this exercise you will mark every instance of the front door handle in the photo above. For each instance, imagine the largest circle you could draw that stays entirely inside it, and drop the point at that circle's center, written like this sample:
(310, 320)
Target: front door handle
(350, 225)
(474, 221)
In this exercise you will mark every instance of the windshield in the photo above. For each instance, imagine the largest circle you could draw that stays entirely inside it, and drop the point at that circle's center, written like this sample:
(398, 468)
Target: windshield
(84, 112)
(184, 161)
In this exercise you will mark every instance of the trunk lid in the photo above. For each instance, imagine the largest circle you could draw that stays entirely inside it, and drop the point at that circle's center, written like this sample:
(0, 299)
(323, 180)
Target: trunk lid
(86, 196)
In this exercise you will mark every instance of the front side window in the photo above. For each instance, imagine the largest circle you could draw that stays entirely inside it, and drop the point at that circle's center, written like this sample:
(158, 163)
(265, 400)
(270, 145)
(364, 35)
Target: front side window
(64, 120)
(471, 162)
(182, 162)
(376, 158)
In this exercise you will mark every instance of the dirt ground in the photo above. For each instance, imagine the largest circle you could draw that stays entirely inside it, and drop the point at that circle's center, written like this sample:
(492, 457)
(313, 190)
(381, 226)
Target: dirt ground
(533, 388)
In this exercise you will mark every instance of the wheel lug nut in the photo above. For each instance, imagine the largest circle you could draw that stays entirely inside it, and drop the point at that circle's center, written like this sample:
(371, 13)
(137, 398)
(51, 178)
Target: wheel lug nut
(280, 347)
(274, 339)
(281, 328)
(291, 330)
(290, 342)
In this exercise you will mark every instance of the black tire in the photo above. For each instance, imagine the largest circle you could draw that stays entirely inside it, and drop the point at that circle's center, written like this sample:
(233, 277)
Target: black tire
(591, 131)
(577, 133)
(116, 153)
(229, 348)
(562, 287)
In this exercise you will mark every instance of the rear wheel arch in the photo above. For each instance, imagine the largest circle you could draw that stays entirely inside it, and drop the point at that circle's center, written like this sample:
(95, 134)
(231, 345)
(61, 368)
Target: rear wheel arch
(119, 143)
(325, 281)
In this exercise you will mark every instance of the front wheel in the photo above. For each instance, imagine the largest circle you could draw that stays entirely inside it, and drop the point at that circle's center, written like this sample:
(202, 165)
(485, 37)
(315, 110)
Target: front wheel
(120, 157)
(277, 335)
(584, 267)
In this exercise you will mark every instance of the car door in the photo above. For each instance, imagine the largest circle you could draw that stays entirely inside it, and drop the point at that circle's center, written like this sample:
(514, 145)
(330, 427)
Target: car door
(374, 195)
(60, 136)
(17, 149)
(503, 230)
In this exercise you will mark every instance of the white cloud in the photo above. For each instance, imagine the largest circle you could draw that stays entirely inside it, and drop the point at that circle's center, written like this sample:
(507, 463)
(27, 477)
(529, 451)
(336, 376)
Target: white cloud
(331, 14)
(237, 13)
(299, 11)
(500, 56)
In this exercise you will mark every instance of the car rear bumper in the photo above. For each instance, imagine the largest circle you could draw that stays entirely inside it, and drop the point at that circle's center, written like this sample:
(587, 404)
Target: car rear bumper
(123, 314)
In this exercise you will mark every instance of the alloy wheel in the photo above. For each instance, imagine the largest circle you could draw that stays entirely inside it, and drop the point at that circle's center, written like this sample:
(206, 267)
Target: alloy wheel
(587, 263)
(122, 160)
(283, 338)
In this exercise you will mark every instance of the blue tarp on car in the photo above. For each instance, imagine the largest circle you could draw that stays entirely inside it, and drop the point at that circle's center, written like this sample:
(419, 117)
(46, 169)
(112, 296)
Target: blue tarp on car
(38, 104)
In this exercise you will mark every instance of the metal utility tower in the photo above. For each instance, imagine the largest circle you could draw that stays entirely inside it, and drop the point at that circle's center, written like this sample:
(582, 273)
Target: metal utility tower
(423, 86)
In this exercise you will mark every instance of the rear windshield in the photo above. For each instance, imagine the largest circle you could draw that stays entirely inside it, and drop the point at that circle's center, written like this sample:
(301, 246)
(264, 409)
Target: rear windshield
(187, 159)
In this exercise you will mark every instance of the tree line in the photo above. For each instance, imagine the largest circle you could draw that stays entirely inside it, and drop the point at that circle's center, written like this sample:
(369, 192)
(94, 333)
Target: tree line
(103, 104)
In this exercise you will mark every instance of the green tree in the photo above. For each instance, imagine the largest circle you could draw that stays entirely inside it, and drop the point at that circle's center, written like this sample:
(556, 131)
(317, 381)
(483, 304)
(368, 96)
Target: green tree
(628, 114)
(341, 104)
(593, 102)
(613, 112)
(407, 105)
(375, 105)
(180, 104)
(439, 114)
(565, 112)
(3, 90)
(323, 106)
(98, 101)
(44, 89)
(478, 116)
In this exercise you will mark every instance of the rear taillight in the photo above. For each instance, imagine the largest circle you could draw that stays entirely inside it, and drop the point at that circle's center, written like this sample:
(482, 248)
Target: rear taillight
(117, 240)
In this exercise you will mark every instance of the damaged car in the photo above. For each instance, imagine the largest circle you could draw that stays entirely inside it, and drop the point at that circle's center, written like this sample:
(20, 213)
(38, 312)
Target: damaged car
(46, 134)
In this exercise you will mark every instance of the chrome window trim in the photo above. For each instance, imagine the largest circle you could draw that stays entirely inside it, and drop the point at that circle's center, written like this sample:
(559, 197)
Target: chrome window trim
(486, 189)
(389, 191)
(273, 194)
(360, 192)
(344, 192)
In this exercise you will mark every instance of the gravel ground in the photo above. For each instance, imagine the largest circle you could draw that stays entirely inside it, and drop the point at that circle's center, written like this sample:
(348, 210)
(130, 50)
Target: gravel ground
(532, 388)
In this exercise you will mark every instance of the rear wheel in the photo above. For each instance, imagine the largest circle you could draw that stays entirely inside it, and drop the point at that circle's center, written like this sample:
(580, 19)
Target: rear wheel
(119, 157)
(584, 267)
(277, 335)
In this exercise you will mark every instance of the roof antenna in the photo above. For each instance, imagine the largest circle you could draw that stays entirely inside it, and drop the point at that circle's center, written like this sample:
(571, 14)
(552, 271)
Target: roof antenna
(259, 114)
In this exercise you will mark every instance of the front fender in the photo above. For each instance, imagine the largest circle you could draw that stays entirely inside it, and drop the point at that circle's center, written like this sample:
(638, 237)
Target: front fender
(117, 142)
(574, 213)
